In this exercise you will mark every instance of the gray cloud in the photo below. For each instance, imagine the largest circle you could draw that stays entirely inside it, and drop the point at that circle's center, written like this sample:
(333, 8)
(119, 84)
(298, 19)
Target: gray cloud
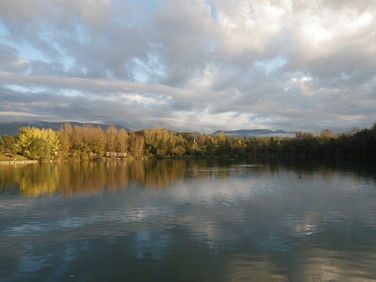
(198, 65)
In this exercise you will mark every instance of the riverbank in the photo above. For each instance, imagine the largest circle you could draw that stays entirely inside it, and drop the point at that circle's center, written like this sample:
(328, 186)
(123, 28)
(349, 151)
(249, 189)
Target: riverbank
(16, 159)
(8, 162)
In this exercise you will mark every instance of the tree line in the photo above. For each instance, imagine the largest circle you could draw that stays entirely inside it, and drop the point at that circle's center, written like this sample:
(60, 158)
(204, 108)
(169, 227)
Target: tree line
(86, 143)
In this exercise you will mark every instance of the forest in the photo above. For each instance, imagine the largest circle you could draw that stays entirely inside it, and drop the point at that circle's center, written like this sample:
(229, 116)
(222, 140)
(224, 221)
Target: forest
(94, 143)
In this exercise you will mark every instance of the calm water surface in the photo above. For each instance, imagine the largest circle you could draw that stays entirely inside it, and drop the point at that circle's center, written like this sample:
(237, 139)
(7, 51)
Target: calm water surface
(187, 221)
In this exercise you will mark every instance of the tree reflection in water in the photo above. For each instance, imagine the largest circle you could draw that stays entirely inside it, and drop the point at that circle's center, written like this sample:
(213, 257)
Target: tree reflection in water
(90, 177)
(148, 221)
(69, 178)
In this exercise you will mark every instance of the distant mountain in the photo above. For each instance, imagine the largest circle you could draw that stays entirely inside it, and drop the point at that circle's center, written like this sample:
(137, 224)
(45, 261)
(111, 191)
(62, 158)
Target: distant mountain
(11, 128)
(255, 133)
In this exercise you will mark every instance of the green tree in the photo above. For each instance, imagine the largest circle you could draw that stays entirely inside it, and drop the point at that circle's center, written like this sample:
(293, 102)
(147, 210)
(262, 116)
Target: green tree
(39, 149)
(8, 145)
(30, 138)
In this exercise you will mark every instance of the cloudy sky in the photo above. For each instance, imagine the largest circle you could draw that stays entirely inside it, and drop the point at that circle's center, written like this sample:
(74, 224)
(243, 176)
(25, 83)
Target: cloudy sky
(190, 65)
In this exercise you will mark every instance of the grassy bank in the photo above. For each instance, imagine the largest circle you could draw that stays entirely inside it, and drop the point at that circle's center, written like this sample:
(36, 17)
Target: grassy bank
(4, 158)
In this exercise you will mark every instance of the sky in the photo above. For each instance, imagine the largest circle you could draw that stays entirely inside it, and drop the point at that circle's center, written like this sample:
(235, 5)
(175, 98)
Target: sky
(199, 65)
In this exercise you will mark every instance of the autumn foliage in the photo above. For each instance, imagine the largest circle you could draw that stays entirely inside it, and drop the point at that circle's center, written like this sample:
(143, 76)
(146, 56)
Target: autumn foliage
(87, 143)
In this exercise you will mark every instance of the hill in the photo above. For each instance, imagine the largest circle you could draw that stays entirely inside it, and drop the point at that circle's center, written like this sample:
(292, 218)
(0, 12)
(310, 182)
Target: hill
(11, 128)
(255, 133)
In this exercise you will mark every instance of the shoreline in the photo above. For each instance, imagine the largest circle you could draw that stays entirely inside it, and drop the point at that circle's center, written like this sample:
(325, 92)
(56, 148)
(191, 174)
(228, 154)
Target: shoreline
(19, 162)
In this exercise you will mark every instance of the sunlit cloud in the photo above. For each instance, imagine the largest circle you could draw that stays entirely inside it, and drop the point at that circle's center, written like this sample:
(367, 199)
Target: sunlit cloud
(203, 65)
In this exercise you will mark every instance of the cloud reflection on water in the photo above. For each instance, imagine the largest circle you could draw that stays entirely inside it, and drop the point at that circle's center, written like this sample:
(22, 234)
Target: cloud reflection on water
(240, 223)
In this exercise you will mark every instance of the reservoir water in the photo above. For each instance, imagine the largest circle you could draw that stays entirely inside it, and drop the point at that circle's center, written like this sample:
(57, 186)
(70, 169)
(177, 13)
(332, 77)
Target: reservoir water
(187, 221)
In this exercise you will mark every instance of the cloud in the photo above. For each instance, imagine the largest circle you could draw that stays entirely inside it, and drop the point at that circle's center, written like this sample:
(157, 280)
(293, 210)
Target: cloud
(9, 59)
(201, 65)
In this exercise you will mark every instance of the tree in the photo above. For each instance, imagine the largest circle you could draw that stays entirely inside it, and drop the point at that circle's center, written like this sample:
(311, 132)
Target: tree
(39, 149)
(137, 145)
(179, 151)
(8, 145)
(95, 141)
(327, 134)
(122, 141)
(65, 138)
(111, 134)
(31, 138)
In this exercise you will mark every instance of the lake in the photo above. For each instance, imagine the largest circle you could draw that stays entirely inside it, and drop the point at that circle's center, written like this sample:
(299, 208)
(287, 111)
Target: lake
(187, 221)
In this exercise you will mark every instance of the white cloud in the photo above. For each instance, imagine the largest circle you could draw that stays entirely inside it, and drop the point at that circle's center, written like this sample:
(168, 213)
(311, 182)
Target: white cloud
(206, 64)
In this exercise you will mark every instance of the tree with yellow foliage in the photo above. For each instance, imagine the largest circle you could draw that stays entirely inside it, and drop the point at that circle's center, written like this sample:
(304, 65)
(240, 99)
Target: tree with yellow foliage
(38, 144)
